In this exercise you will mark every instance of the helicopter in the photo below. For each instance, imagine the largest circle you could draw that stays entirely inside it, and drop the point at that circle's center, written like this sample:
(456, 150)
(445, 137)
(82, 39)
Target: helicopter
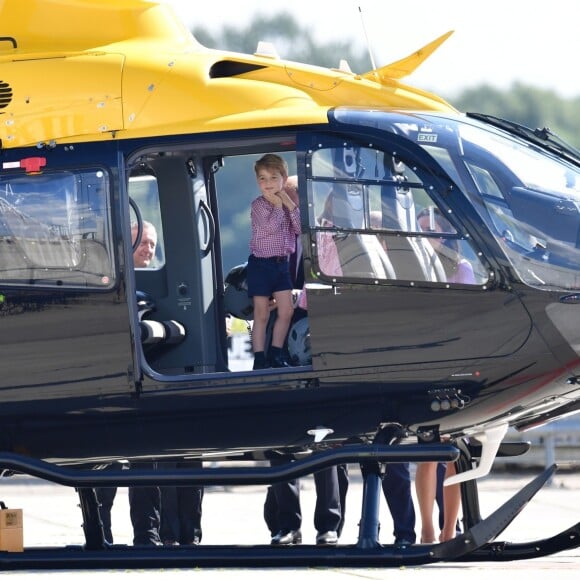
(113, 115)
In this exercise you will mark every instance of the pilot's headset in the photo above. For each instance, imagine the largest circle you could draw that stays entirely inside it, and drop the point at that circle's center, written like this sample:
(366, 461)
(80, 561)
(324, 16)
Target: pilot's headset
(236, 299)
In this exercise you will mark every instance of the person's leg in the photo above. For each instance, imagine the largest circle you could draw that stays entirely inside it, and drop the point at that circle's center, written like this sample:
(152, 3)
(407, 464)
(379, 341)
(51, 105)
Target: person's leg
(342, 474)
(144, 509)
(327, 513)
(426, 486)
(452, 504)
(271, 512)
(287, 497)
(106, 497)
(169, 528)
(397, 490)
(285, 310)
(441, 469)
(144, 505)
(261, 316)
(190, 509)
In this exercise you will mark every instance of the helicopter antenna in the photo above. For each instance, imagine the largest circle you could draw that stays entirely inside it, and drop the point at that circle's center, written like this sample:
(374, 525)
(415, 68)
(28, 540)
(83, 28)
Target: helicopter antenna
(367, 39)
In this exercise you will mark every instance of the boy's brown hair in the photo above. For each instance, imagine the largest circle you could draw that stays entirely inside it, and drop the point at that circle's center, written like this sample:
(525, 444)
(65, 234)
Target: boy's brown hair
(272, 162)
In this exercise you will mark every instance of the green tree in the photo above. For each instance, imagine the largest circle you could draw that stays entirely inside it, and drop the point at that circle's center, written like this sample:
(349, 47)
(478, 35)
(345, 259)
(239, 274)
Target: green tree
(528, 105)
(292, 42)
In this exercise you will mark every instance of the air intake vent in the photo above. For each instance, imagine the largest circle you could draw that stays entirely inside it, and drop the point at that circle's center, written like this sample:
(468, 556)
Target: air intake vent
(230, 68)
(5, 94)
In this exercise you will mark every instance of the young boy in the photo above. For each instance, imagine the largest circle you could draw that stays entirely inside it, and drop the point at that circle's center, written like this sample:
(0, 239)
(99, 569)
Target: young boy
(275, 225)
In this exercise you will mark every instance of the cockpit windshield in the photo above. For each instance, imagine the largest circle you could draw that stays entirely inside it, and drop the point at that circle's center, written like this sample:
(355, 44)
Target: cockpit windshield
(529, 197)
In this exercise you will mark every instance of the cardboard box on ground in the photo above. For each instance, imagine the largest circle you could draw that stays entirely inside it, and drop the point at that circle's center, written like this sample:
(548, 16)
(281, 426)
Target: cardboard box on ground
(11, 536)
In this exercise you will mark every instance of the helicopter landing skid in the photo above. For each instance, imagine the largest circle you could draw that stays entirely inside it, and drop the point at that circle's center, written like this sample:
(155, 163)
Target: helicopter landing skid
(476, 544)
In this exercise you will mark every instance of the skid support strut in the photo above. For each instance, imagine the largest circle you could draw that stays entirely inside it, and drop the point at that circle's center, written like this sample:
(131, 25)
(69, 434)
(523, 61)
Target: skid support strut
(369, 522)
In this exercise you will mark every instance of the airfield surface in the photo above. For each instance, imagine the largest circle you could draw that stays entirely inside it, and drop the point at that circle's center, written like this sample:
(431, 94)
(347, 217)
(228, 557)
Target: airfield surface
(234, 516)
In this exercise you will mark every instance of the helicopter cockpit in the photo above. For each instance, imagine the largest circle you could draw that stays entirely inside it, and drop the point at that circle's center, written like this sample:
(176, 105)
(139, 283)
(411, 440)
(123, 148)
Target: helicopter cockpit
(528, 198)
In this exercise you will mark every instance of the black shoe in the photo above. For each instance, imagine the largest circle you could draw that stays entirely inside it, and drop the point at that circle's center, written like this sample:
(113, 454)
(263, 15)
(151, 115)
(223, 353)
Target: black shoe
(260, 365)
(402, 543)
(260, 360)
(279, 362)
(329, 538)
(148, 543)
(287, 538)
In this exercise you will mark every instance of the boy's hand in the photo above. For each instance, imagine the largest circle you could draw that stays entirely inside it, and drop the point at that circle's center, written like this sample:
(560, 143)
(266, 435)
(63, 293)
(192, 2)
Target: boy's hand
(273, 199)
(291, 188)
(286, 200)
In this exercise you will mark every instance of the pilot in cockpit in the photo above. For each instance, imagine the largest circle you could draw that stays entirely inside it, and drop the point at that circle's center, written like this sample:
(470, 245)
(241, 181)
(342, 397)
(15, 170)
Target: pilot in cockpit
(145, 252)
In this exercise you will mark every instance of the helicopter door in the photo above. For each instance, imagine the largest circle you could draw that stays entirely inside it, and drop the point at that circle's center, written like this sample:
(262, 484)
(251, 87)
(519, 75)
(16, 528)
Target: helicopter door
(396, 297)
(62, 301)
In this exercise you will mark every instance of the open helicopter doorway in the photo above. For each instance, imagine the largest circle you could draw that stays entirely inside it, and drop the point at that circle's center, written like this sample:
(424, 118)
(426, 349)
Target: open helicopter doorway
(194, 316)
(234, 183)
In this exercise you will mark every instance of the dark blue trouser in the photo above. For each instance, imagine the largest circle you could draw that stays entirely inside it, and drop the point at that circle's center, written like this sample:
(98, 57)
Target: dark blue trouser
(144, 509)
(145, 512)
(331, 487)
(282, 506)
(397, 490)
(181, 510)
(105, 498)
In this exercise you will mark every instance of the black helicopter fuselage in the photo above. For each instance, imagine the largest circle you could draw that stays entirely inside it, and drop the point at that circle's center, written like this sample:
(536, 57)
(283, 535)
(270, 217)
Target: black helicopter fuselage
(439, 251)
(391, 345)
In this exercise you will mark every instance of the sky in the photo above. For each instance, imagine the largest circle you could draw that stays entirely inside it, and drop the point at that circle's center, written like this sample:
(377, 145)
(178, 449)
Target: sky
(498, 42)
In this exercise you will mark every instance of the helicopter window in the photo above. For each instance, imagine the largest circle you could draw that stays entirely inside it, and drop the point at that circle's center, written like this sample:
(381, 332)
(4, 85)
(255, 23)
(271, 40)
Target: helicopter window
(485, 181)
(365, 206)
(55, 229)
(532, 203)
(444, 159)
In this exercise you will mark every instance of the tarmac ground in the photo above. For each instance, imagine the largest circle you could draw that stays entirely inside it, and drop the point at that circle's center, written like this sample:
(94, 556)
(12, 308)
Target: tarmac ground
(52, 518)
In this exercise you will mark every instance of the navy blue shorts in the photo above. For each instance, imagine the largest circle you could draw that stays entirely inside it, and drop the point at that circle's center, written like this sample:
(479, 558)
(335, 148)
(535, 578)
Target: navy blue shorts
(268, 275)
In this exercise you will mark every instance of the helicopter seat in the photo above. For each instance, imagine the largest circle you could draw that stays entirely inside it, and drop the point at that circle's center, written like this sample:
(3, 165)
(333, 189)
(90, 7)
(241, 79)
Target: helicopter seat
(412, 257)
(95, 257)
(406, 257)
(362, 256)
